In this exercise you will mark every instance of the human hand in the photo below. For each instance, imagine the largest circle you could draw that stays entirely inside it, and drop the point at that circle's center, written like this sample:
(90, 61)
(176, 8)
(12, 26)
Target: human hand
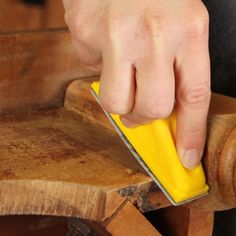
(152, 54)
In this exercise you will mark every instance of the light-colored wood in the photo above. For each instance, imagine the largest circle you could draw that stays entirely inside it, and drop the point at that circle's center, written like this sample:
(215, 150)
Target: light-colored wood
(78, 99)
(52, 158)
(59, 164)
(55, 157)
(129, 221)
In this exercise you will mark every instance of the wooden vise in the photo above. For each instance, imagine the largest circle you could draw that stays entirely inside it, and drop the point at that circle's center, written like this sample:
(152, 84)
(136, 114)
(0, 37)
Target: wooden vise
(60, 156)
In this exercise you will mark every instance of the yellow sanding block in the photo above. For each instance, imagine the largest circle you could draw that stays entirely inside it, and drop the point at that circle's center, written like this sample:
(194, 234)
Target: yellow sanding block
(153, 146)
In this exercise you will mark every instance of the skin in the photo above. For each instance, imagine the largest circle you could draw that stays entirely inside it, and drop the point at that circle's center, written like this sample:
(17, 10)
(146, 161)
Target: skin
(153, 57)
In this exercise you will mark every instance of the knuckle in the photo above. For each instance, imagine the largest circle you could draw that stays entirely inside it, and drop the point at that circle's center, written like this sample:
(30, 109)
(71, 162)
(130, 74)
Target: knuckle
(196, 131)
(113, 17)
(113, 32)
(76, 26)
(195, 95)
(195, 135)
(158, 111)
(114, 24)
(89, 60)
(113, 107)
(198, 26)
(114, 20)
(70, 20)
(158, 21)
(156, 24)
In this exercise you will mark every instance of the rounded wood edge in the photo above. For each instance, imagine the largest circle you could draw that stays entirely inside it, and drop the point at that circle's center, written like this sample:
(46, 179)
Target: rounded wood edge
(219, 164)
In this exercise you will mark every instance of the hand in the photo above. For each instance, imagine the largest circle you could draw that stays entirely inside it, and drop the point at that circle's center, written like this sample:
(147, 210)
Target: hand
(152, 54)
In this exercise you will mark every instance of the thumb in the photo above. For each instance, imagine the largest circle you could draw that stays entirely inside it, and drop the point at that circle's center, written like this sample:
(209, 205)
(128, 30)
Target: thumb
(191, 131)
(193, 98)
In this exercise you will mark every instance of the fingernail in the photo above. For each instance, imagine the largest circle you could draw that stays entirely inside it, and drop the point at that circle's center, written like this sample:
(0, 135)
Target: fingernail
(128, 123)
(191, 158)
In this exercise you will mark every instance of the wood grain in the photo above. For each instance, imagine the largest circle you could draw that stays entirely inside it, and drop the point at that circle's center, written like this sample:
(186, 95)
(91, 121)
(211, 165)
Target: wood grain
(129, 221)
(219, 162)
(66, 163)
(69, 160)
(36, 68)
(61, 165)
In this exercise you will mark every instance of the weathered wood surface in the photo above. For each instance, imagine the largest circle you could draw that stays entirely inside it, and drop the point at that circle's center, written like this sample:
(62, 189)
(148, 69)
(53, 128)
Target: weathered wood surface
(70, 161)
(63, 162)
(35, 69)
(60, 164)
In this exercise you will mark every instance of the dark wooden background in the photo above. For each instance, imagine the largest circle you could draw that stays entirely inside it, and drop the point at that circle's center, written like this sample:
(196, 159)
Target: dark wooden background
(18, 15)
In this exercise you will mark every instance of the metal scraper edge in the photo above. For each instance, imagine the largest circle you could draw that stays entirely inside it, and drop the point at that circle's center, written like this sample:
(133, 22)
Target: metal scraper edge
(140, 160)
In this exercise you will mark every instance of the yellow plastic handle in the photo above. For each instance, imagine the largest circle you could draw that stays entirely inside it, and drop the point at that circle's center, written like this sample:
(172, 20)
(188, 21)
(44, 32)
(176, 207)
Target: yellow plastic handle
(155, 145)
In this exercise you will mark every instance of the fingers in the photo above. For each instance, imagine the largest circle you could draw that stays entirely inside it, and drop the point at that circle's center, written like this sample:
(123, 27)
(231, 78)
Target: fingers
(117, 85)
(87, 56)
(83, 33)
(148, 38)
(154, 95)
(193, 97)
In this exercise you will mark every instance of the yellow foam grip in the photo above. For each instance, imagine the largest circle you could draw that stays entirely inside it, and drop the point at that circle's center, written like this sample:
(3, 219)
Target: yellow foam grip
(154, 143)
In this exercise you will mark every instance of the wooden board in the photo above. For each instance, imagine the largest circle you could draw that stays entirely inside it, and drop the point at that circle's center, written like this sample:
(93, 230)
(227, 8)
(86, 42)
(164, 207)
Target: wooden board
(68, 162)
(36, 68)
(129, 221)
(60, 164)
